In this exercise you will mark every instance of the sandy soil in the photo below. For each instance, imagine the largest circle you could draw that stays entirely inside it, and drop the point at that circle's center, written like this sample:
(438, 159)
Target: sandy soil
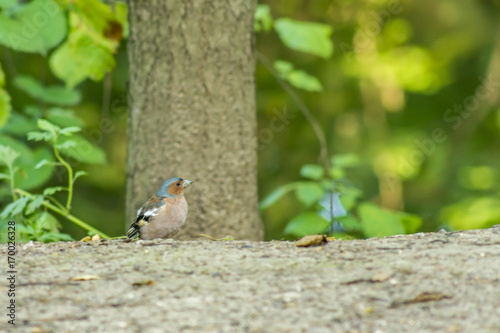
(440, 282)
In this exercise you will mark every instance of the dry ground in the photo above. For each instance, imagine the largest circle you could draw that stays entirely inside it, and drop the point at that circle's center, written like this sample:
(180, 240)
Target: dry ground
(439, 282)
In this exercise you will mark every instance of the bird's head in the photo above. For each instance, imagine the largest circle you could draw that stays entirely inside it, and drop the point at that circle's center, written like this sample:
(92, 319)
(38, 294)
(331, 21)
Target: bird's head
(173, 187)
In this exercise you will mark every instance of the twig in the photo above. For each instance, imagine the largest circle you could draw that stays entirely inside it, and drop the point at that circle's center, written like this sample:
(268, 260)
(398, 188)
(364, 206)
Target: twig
(323, 156)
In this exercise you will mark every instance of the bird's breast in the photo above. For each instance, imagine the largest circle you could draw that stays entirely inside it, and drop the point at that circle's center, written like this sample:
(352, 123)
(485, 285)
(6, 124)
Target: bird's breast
(169, 220)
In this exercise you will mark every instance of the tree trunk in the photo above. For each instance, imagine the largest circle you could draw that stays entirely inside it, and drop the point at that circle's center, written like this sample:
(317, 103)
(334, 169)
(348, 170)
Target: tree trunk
(192, 111)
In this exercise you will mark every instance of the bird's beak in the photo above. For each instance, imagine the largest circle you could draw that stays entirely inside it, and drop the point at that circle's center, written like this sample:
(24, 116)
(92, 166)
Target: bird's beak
(187, 183)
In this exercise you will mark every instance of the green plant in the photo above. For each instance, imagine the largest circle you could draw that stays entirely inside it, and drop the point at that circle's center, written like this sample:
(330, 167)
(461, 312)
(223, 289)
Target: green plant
(79, 41)
(33, 209)
(333, 205)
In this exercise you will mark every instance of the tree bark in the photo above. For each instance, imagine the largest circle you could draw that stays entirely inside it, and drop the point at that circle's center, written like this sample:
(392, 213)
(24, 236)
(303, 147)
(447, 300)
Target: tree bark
(192, 111)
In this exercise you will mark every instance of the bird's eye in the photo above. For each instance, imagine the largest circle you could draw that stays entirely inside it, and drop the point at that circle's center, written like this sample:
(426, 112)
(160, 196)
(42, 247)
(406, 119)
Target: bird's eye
(178, 184)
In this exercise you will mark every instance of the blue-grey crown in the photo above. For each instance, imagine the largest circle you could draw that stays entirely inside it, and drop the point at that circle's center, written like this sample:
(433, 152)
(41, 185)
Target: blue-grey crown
(163, 191)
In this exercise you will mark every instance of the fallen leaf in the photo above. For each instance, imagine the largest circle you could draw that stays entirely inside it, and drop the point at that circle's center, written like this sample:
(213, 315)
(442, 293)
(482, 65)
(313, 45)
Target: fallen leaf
(85, 278)
(86, 239)
(143, 283)
(428, 297)
(96, 237)
(311, 240)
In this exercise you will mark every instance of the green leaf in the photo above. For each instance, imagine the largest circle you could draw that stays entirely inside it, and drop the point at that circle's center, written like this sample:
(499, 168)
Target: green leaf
(15, 207)
(6, 4)
(411, 223)
(29, 177)
(377, 222)
(85, 54)
(349, 198)
(58, 95)
(39, 136)
(84, 151)
(306, 224)
(63, 117)
(277, 194)
(121, 15)
(302, 80)
(347, 160)
(350, 223)
(34, 204)
(5, 107)
(312, 171)
(79, 174)
(297, 78)
(74, 63)
(70, 130)
(307, 37)
(263, 21)
(283, 67)
(19, 125)
(47, 126)
(52, 190)
(67, 145)
(337, 173)
(7, 155)
(309, 193)
(4, 176)
(37, 177)
(35, 27)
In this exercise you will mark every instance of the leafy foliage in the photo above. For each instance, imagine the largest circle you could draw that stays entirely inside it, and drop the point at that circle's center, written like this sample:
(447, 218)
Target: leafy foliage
(332, 205)
(35, 27)
(58, 143)
(307, 37)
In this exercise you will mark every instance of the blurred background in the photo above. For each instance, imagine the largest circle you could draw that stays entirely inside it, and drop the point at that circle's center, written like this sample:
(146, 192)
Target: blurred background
(407, 97)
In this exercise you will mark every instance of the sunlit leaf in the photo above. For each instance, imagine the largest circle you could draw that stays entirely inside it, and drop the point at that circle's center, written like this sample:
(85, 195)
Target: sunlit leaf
(306, 224)
(263, 19)
(312, 171)
(309, 193)
(73, 63)
(411, 223)
(377, 222)
(302, 80)
(86, 54)
(47, 125)
(70, 130)
(283, 67)
(23, 31)
(307, 37)
(5, 107)
(297, 78)
(79, 174)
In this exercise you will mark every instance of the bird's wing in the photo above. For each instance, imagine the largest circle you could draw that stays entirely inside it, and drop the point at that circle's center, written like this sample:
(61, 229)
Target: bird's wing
(149, 210)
